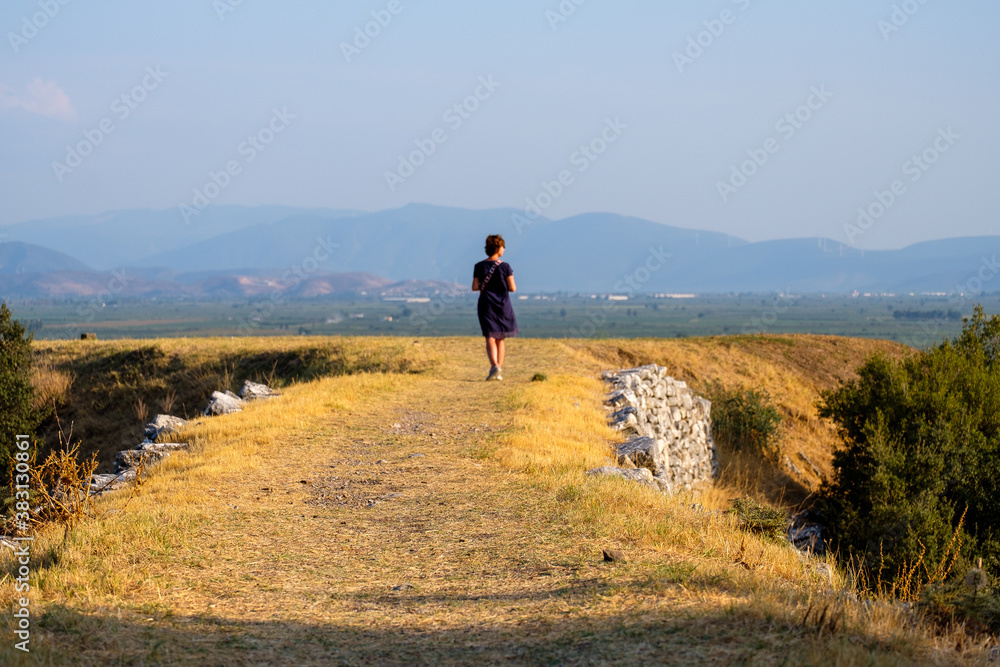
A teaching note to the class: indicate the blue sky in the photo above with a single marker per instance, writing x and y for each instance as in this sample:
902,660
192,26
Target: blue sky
223,69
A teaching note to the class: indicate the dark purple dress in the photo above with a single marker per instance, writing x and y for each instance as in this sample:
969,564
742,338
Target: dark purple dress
496,314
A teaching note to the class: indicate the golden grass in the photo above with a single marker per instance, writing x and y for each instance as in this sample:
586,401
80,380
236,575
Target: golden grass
51,385
792,368
443,520
556,427
107,390
559,433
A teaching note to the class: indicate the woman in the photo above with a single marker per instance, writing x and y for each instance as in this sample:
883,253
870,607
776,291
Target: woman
494,280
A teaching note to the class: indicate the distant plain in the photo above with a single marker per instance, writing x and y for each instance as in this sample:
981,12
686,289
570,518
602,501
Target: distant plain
917,321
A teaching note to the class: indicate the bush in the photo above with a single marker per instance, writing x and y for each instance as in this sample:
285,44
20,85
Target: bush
760,519
921,448
968,600
745,419
16,393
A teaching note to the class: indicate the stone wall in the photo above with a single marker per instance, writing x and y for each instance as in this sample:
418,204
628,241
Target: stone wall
669,427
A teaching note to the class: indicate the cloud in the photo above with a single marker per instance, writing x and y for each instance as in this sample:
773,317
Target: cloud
41,97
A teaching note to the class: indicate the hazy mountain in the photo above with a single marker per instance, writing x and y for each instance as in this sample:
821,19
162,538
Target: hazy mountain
583,253
603,252
823,265
20,258
424,242
242,249
82,285
122,238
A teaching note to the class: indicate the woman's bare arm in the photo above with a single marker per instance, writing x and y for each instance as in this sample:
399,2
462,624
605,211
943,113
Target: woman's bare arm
510,284
475,284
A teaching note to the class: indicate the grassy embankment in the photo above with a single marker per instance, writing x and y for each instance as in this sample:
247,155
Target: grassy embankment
415,514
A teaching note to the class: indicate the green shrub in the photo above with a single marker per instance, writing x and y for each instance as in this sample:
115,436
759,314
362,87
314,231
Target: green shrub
759,519
745,419
16,392
921,446
539,377
948,604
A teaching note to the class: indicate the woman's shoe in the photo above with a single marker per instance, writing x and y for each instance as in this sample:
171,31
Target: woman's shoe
494,373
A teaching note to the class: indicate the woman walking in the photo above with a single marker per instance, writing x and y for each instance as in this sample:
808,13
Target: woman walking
494,280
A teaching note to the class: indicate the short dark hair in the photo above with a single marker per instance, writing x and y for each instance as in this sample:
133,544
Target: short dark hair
493,244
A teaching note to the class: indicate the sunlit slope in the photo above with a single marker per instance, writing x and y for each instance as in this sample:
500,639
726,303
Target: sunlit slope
417,515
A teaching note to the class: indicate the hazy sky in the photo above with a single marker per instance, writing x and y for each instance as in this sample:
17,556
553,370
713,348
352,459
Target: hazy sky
668,96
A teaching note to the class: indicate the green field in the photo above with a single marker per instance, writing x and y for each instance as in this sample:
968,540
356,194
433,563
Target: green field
915,320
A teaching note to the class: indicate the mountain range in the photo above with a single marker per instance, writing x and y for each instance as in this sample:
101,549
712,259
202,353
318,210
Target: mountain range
239,251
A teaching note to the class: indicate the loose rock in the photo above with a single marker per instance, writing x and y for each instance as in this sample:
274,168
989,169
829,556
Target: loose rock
793,468
162,426
150,452
104,483
643,452
808,461
806,536
252,391
613,556
640,475
224,403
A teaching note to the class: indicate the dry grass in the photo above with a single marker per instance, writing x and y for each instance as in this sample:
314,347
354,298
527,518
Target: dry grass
61,486
557,438
793,369
107,389
558,427
51,385
441,520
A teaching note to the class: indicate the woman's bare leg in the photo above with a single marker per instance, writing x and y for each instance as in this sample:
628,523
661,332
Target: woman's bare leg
501,350
491,350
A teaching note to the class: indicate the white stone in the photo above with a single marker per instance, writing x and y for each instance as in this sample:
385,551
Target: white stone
163,425
253,391
677,422
224,403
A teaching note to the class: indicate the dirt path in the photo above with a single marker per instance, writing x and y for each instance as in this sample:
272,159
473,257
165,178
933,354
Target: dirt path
385,534
423,551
